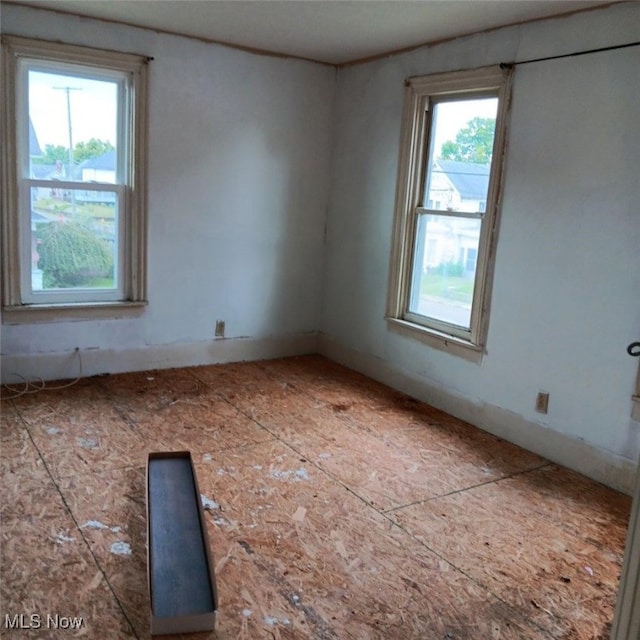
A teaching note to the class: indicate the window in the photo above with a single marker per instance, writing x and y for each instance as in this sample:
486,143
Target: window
73,209
447,207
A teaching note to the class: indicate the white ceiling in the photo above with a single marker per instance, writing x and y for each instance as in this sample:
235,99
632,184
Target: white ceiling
332,31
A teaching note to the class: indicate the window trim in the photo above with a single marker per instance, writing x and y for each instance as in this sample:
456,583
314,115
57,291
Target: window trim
15,309
411,167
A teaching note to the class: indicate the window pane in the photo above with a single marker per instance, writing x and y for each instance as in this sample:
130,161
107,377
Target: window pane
74,239
444,268
72,112
457,177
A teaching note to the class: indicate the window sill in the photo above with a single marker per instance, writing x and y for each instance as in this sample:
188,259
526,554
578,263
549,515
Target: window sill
32,313
437,340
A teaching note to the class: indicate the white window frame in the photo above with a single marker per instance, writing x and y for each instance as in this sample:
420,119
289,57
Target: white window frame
18,300
420,92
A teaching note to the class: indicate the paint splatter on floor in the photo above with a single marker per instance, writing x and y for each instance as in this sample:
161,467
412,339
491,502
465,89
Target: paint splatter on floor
121,548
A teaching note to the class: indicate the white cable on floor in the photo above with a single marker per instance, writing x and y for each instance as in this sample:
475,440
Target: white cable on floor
38,384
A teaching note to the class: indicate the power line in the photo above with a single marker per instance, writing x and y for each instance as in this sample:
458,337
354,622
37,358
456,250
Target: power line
509,65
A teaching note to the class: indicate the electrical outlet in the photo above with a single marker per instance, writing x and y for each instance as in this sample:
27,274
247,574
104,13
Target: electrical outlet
219,328
542,402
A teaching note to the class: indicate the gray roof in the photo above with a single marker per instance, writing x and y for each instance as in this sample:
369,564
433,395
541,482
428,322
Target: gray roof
34,145
38,217
470,179
106,161
42,171
51,171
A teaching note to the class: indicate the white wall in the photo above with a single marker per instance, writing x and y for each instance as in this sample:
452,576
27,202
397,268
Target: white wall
566,295
238,183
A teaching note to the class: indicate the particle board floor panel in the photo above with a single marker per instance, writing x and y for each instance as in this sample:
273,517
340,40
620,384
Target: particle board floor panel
336,508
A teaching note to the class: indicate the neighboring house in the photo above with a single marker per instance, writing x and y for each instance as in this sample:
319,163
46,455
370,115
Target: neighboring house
56,171
52,172
458,186
100,169
455,186
451,241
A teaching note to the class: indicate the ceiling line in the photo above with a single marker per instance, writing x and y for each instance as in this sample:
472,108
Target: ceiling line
433,43
338,65
231,45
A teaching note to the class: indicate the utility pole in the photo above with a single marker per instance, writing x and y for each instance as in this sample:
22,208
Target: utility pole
68,91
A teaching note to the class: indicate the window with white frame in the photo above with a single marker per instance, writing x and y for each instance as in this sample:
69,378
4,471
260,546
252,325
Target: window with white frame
445,227
73,211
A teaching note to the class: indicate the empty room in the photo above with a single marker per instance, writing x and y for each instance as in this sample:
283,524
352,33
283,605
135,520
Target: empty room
320,319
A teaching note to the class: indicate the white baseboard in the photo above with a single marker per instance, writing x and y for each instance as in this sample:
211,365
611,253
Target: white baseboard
603,466
63,365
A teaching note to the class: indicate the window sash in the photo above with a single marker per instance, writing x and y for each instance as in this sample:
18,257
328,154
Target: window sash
453,214
96,71
430,321
73,184
80,294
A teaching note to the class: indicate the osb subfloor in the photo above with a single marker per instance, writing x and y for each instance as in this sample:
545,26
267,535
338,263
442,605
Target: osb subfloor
336,509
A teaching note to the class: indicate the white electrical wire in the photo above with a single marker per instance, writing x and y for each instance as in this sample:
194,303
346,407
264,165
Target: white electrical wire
38,384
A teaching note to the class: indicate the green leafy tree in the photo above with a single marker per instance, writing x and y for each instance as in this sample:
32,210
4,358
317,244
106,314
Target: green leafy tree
473,143
93,148
70,255
52,154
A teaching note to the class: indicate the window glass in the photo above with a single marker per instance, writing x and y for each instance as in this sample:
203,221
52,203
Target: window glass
74,239
73,127
444,268
460,152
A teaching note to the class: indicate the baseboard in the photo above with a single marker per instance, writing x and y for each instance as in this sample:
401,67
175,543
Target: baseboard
63,365
600,465
603,466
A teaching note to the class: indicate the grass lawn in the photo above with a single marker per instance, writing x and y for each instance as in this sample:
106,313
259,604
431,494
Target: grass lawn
449,287
52,205
100,283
